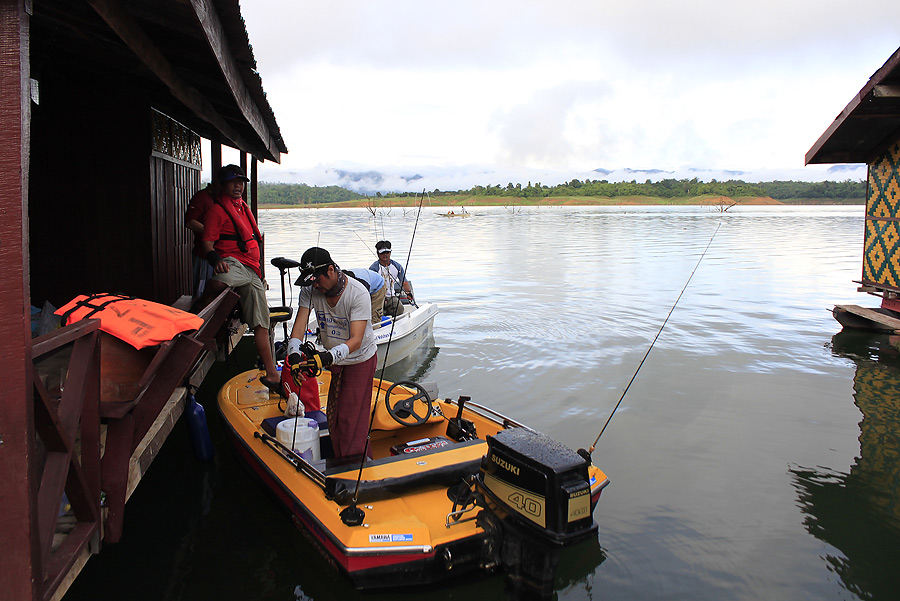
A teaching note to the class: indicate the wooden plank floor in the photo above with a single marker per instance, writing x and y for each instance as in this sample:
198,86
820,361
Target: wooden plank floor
878,319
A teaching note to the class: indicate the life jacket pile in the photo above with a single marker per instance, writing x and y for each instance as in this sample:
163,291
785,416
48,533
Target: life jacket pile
140,323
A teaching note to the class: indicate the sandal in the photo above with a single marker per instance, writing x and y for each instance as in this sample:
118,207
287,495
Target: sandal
272,386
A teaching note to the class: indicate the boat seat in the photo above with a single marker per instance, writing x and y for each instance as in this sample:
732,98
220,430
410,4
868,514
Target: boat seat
411,474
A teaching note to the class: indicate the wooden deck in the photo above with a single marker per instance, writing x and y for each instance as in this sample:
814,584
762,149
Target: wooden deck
877,320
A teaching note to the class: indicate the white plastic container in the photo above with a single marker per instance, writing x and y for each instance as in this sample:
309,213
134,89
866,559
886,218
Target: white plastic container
301,434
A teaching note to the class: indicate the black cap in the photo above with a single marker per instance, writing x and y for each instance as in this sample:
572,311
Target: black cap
314,261
383,246
230,172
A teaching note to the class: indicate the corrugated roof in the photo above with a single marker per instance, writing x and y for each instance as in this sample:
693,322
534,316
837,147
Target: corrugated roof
868,125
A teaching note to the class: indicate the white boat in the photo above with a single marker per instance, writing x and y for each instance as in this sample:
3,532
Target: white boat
397,337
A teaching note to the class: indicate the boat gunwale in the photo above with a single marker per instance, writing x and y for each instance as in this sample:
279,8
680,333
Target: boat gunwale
489,414
318,530
295,459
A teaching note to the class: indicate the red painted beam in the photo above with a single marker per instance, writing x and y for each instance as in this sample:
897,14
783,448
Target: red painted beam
20,573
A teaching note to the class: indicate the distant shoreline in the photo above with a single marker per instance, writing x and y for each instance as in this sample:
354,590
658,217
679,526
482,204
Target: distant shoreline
469,201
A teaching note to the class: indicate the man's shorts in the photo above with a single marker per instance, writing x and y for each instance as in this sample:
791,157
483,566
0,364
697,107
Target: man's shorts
378,305
244,281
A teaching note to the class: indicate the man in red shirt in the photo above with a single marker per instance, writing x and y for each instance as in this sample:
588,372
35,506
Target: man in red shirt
230,243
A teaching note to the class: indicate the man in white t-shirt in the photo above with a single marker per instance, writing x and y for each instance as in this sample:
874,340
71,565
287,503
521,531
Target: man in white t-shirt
344,313
394,278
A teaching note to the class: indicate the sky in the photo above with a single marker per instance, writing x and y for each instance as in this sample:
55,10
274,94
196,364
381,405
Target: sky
416,95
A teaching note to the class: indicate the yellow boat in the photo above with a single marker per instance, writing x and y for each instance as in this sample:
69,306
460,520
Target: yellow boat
452,486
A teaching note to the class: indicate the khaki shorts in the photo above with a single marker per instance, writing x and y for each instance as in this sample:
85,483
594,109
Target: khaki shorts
378,305
244,281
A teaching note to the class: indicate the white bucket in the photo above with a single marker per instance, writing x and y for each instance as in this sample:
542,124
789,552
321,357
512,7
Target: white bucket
301,434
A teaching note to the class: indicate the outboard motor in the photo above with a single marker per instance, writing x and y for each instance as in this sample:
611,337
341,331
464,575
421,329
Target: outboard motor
537,500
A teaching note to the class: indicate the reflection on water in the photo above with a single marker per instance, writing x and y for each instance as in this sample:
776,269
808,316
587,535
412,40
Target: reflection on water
415,366
577,569
859,513
545,314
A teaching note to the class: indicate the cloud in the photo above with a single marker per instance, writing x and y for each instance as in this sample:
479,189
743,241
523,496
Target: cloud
430,178
554,126
477,89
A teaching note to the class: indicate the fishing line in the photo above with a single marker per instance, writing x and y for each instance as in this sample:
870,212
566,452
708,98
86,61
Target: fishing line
387,351
284,365
365,244
703,254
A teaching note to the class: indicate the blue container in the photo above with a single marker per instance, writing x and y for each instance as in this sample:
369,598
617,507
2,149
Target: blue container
199,431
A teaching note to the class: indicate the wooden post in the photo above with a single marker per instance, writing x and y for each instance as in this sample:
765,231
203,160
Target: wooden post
254,188
20,569
243,165
215,149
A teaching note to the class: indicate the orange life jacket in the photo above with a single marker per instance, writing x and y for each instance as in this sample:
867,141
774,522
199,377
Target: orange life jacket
138,322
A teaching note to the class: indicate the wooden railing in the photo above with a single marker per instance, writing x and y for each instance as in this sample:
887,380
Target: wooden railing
64,414
68,411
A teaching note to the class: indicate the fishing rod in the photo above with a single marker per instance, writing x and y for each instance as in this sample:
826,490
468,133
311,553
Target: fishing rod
352,515
650,348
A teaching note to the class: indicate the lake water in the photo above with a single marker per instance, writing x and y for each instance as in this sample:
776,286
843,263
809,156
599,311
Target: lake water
755,455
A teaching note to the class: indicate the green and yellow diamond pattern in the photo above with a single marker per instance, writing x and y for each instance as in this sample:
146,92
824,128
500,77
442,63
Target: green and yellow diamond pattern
881,264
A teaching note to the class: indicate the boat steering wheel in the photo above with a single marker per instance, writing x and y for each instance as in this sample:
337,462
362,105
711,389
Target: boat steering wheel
403,410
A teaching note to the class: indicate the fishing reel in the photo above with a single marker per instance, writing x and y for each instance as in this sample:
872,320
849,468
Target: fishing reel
309,362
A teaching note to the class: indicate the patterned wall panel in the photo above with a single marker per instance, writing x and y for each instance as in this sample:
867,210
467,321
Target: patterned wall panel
174,140
881,262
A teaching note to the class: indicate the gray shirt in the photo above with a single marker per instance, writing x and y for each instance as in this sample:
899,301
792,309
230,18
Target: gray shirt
334,322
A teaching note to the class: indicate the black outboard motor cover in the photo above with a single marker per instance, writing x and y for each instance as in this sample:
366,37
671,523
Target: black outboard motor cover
538,483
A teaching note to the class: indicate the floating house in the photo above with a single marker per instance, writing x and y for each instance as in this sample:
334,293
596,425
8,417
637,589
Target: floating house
868,131
104,104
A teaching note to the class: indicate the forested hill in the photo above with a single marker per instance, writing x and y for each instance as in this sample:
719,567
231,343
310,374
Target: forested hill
301,194
684,188
784,191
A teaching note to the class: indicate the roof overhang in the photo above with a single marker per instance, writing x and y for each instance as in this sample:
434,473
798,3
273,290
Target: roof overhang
193,56
868,125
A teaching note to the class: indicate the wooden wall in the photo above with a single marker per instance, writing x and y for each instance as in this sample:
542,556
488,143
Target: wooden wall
174,178
172,186
106,210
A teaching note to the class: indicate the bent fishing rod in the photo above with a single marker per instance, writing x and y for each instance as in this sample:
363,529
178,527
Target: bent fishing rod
352,515
655,338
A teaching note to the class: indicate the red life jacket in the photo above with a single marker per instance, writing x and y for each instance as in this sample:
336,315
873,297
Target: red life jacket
138,322
248,235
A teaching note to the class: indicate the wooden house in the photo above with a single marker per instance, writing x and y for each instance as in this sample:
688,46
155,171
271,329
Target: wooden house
102,105
868,131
